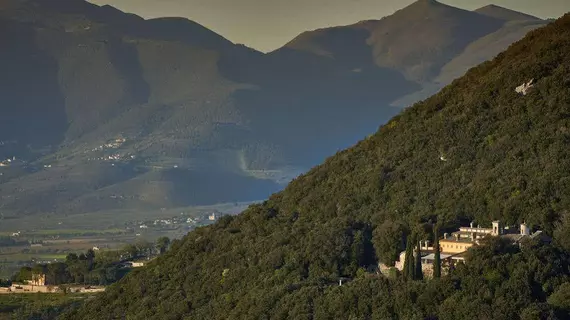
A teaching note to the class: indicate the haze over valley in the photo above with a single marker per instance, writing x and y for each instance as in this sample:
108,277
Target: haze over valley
104,111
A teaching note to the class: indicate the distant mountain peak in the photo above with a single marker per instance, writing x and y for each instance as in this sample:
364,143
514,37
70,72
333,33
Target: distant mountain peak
425,3
436,27
423,7
428,1
502,13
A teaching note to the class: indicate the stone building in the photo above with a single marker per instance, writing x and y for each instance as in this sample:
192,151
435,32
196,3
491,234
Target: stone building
454,247
38,279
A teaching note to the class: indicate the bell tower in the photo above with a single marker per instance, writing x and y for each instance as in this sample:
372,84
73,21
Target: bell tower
525,230
496,228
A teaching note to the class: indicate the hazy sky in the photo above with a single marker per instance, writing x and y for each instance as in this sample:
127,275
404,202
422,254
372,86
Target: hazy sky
268,24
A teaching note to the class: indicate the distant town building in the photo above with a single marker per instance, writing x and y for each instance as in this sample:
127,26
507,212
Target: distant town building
215,216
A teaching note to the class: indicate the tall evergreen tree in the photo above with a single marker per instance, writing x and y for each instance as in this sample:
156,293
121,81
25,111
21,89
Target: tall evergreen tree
409,258
357,252
418,273
437,253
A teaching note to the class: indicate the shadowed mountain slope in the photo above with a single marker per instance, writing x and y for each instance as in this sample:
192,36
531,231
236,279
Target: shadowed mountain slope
478,150
477,52
428,42
91,86
91,89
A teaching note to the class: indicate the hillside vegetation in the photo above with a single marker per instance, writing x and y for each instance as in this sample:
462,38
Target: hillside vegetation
476,151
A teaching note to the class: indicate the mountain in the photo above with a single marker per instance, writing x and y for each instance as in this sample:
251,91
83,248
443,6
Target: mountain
105,110
476,52
439,32
477,151
447,41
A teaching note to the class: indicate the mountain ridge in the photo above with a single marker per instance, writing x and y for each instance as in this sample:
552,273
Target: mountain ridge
384,41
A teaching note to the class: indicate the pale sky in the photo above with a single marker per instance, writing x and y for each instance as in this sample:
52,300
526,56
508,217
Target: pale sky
268,24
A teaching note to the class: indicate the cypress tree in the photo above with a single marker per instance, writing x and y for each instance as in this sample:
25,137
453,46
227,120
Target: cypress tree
357,252
418,273
409,259
437,253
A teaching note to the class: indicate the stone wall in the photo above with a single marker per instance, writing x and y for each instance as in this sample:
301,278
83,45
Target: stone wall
21,288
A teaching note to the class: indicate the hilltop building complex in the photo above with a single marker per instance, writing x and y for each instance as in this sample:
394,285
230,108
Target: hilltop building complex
454,247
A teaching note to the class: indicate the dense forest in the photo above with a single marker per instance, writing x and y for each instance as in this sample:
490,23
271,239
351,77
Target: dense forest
478,151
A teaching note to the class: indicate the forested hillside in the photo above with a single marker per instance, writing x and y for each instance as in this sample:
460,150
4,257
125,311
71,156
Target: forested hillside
476,151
